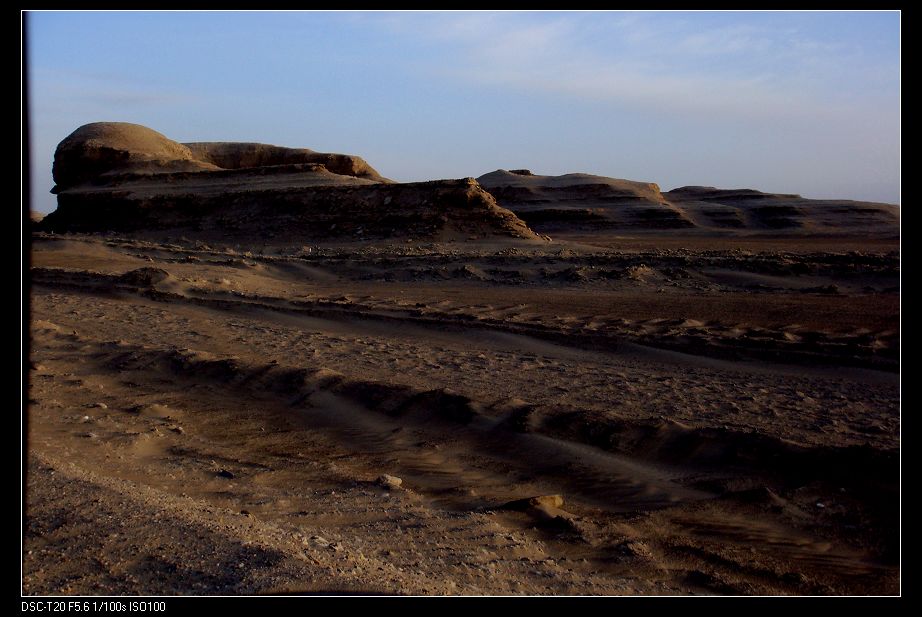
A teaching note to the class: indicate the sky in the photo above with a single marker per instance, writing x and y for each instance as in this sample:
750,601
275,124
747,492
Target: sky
794,102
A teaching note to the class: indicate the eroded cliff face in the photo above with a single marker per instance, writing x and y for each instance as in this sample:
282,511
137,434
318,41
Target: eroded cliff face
748,209
307,211
241,155
120,176
128,178
585,203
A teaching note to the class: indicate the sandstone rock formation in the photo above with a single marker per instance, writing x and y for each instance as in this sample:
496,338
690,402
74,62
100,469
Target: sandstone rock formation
128,178
584,203
239,155
104,149
315,209
778,212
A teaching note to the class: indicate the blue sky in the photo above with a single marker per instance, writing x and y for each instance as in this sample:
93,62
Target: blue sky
805,102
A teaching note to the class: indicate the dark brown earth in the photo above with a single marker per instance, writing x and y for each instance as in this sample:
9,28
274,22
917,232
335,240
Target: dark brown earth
732,429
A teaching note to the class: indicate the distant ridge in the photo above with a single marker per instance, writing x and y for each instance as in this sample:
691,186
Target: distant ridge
585,203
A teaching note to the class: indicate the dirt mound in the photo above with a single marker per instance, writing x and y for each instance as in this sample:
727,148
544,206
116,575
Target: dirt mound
144,277
109,148
240,155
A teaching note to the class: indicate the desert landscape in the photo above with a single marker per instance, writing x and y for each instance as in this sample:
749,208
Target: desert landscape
267,370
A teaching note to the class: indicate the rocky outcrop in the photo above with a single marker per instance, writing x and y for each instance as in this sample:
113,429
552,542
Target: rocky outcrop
287,204
97,151
240,155
583,203
755,211
101,151
128,178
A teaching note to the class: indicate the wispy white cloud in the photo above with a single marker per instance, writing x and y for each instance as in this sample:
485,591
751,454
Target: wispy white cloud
725,40
670,65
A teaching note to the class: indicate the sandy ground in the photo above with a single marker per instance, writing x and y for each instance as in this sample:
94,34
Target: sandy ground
720,417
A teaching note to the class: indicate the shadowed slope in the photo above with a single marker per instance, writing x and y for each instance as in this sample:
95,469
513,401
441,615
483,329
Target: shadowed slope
595,204
755,210
583,201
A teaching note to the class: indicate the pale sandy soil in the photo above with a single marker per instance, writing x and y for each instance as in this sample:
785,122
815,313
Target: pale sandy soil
718,418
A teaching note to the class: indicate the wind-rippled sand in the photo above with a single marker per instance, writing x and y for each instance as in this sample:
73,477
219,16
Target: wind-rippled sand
217,419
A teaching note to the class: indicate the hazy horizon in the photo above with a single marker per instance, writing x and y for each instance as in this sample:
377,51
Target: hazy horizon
805,102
